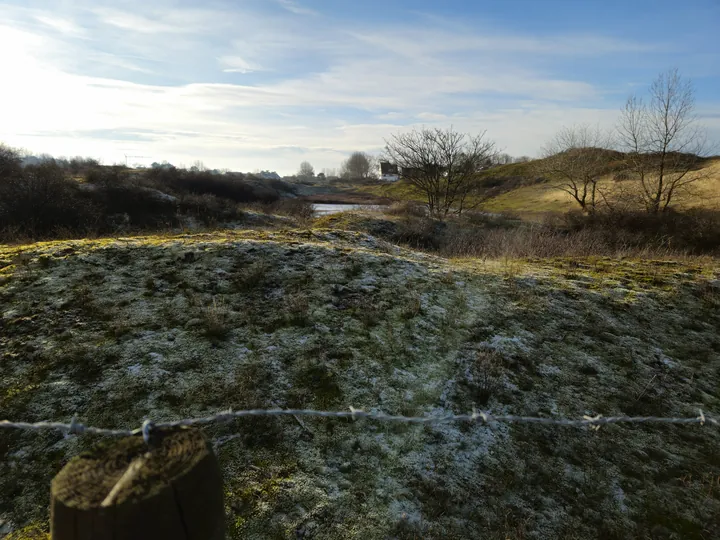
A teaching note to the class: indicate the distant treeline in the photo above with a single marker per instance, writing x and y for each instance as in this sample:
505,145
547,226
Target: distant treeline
79,197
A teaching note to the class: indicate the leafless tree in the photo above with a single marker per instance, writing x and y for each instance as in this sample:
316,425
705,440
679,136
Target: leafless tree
504,159
359,165
306,170
663,141
198,166
442,163
574,160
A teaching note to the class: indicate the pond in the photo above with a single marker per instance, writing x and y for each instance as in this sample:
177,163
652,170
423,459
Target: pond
324,209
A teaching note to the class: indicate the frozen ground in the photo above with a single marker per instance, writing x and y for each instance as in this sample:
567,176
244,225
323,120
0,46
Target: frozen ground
168,327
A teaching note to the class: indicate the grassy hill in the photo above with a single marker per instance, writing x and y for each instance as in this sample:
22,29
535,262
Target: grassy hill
542,198
166,327
521,193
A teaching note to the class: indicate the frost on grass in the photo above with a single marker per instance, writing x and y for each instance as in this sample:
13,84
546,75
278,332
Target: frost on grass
114,331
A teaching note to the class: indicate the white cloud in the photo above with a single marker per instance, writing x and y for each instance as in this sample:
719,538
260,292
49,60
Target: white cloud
236,64
316,91
132,22
294,7
62,25
156,20
417,41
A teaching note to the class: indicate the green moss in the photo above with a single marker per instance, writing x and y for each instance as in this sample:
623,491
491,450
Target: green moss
251,499
36,531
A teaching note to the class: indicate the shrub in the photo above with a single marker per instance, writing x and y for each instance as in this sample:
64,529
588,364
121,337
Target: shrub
296,309
107,176
281,186
40,200
297,208
9,163
693,231
250,277
424,233
143,208
209,209
229,186
485,374
216,320
406,209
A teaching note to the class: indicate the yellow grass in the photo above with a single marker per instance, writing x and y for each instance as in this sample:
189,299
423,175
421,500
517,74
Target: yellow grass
542,198
534,201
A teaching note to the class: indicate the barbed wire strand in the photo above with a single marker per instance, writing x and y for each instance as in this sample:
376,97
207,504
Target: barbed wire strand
76,428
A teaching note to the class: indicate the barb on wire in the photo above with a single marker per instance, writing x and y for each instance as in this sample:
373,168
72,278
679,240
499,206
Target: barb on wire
477,416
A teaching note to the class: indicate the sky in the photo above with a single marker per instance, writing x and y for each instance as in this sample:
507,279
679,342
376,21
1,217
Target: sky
267,84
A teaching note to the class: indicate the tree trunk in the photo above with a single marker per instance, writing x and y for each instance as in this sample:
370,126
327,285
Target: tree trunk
128,490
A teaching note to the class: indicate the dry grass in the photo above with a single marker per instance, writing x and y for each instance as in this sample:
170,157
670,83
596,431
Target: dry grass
216,319
532,201
544,242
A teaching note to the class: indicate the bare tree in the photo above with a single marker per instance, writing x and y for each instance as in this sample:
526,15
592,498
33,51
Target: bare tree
574,160
359,165
662,139
306,170
442,163
504,159
198,166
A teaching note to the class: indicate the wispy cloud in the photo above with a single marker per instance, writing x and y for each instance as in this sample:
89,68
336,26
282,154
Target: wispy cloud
245,86
134,22
236,64
417,41
62,25
294,7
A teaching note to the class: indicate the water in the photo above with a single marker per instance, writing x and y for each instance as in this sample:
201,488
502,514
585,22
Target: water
324,209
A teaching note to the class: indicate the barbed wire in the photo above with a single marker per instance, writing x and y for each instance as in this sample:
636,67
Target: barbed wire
595,422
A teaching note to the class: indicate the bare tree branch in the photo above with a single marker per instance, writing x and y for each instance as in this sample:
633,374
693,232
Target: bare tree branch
574,160
443,164
664,145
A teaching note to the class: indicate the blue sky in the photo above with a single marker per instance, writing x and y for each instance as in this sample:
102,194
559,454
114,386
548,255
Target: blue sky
265,84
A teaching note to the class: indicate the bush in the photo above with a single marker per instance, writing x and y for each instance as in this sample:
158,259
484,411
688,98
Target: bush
39,201
299,209
407,209
107,176
209,209
230,186
144,208
80,164
281,186
693,231
423,233
485,375
9,163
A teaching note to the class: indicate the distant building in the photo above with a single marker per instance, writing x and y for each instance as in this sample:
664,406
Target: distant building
411,172
389,172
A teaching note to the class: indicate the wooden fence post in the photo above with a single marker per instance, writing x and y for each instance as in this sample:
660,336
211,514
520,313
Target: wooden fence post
128,490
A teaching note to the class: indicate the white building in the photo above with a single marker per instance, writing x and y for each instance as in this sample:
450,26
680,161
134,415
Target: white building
389,172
